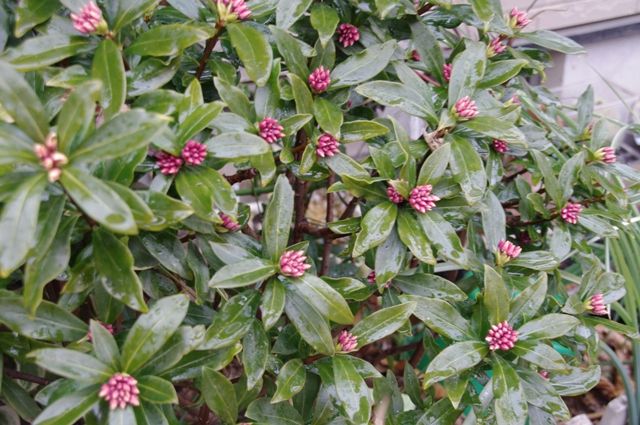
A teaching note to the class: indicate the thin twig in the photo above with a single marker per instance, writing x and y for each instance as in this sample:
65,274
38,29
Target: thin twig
241,175
23,376
208,48
326,249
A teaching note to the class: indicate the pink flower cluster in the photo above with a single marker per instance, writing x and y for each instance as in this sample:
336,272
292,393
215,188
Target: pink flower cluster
293,263
120,391
606,155
507,251
499,146
596,305
348,34
228,222
465,108
571,212
89,20
327,145
193,153
231,10
371,279
447,68
394,196
421,198
50,159
519,18
319,79
271,130
496,47
501,337
347,342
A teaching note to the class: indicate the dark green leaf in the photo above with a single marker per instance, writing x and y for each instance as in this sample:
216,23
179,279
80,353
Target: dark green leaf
108,67
69,408
442,236
168,40
467,71
255,353
468,169
363,65
277,219
323,297
233,321
496,296
72,364
264,412
290,381
351,390
38,52
157,390
254,51
441,317
455,359
243,273
309,322
549,326
510,402
382,323
289,11
324,19
376,226
554,41
219,395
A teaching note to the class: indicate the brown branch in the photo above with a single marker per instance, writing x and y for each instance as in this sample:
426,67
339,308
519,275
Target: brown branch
180,284
241,175
300,189
427,78
326,249
514,175
23,376
348,212
208,48
424,9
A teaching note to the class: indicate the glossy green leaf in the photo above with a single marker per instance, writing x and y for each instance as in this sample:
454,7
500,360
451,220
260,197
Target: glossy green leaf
264,412
441,317
323,297
382,323
497,129
389,93
290,381
430,286
169,251
454,359
233,320
527,303
301,95
277,219
468,169
38,52
104,344
108,67
237,146
272,303
577,381
289,11
414,237
243,273
72,364
150,414
550,326
255,353
363,65
254,51
389,259
166,210
157,390
30,13
77,115
219,395
428,48
328,116
500,72
510,402
69,408
127,11
351,390
197,121
435,165
168,40
550,180
540,354
554,41
151,74
309,322
536,260
355,131
442,236
496,296
324,19
468,69
375,227
204,189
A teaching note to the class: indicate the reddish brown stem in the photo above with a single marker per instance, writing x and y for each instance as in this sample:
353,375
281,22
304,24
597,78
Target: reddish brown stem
23,376
241,175
326,249
208,48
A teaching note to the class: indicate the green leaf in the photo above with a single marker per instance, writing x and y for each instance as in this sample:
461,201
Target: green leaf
467,71
435,165
496,129
69,408
500,72
413,236
291,52
442,236
540,355
290,381
376,226
255,353
19,400
204,189
262,411
22,104
166,210
536,260
626,330
50,323
157,390
468,169
72,364
122,416
253,50
169,251
510,401
237,145
351,390
430,286
151,74
363,65
540,394
527,303
328,116
219,395
389,93
549,326
15,148
197,121
18,223
484,9
289,11
125,133
243,273
30,13
454,359
108,67
389,259
382,323
554,41
233,321
127,11
77,115
428,48
309,322
301,95
272,303
150,414
149,333
496,296
324,19
323,297
277,219
168,40
493,220
114,266
355,131
577,381
38,52
104,344
550,181
441,317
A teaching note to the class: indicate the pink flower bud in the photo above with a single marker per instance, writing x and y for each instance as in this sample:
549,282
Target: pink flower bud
496,47
571,212
327,145
596,305
319,79
228,222
120,391
606,155
507,251
371,279
89,20
421,199
499,146
292,263
447,68
271,130
501,337
348,35
347,342
50,159
54,174
194,152
415,56
519,18
394,196
232,10
168,164
465,108
544,374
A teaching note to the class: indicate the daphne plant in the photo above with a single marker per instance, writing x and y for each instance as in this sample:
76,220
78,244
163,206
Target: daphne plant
210,213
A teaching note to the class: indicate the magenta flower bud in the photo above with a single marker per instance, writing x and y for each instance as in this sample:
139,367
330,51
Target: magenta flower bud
415,56
107,326
348,34
271,130
327,145
499,146
292,263
228,222
421,199
518,18
232,10
507,251
194,152
168,164
89,20
319,79
447,68
347,342
371,279
596,305
394,196
501,337
571,212
465,108
50,159
606,155
496,47
120,391
544,374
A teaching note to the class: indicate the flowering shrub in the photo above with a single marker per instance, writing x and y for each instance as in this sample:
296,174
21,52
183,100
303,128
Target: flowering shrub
163,259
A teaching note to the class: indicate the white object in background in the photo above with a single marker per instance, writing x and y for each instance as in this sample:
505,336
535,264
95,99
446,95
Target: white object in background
615,412
580,420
